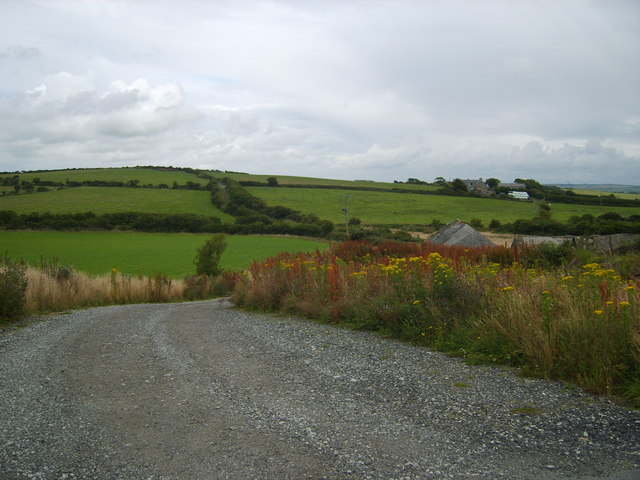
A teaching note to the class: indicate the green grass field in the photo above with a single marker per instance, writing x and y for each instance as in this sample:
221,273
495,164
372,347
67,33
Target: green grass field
394,208
372,207
145,175
289,180
114,199
142,253
626,196
563,211
156,177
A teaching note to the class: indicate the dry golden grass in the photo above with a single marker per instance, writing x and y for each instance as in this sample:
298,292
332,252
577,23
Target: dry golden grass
48,293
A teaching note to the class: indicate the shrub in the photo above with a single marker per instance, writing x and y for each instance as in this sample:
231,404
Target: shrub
548,255
13,288
476,223
494,224
208,258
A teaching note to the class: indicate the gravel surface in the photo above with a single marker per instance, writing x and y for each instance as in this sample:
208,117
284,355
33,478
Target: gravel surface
202,391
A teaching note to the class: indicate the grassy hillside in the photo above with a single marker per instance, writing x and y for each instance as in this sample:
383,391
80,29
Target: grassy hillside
142,253
628,196
154,176
114,199
605,188
290,180
563,211
372,207
393,208
145,175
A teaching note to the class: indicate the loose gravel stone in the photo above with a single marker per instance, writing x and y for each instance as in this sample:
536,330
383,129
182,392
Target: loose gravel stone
202,391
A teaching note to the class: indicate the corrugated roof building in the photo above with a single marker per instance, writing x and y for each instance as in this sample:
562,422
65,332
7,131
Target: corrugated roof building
461,234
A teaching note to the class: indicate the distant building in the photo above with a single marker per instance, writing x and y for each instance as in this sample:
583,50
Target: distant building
519,195
461,234
476,186
512,186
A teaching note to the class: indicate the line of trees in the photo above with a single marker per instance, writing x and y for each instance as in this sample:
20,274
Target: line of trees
606,224
150,222
248,210
45,185
146,222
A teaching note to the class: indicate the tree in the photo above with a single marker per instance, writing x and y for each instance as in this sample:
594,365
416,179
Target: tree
544,211
439,181
272,181
28,186
476,223
492,183
458,185
208,257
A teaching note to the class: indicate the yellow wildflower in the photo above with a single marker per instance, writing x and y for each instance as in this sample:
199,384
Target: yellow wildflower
624,304
598,312
506,289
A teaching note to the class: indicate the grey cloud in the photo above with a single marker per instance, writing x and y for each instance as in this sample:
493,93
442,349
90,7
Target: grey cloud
378,157
385,88
66,114
67,108
20,52
591,162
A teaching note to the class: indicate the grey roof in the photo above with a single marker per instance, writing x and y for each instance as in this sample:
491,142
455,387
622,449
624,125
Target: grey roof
459,233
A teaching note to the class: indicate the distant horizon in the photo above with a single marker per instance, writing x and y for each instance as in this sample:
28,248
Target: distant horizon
448,178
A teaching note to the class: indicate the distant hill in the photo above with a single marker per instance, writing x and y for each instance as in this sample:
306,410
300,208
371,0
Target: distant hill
182,199
606,187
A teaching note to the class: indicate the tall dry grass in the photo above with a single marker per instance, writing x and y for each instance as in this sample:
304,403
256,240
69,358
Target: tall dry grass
49,293
57,289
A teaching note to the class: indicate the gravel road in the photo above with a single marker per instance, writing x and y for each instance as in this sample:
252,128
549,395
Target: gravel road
202,391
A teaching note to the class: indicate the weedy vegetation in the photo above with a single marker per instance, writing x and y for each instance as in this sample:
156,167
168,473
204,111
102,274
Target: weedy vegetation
13,289
578,322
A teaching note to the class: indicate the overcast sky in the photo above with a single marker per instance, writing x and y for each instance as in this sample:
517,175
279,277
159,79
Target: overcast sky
352,89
